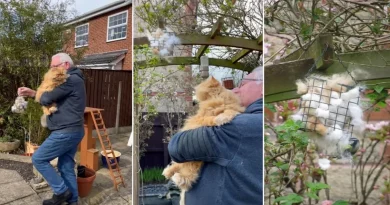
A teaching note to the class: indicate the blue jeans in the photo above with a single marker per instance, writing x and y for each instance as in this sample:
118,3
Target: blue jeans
63,146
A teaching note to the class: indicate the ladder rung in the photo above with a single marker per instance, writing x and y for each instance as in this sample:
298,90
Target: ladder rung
114,164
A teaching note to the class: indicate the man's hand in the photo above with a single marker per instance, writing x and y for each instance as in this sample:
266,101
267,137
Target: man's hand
26,92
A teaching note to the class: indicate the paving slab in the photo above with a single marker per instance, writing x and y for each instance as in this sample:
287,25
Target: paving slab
30,200
8,176
14,191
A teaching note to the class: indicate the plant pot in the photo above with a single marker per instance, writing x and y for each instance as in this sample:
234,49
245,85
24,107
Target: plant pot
30,148
111,159
228,84
9,146
85,181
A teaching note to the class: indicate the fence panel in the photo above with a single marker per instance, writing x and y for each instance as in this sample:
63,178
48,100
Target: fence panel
102,88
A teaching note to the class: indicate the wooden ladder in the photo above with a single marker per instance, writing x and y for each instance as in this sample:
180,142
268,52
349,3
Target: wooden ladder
107,148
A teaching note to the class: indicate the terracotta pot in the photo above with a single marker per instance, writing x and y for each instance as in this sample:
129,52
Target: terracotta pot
9,146
228,84
84,183
30,148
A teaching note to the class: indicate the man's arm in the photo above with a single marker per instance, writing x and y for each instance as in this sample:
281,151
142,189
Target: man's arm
208,144
57,94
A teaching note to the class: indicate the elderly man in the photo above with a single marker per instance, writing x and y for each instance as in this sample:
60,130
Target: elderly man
233,153
67,131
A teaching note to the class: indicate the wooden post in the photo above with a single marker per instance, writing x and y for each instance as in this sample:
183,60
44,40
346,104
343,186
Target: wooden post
135,167
315,51
118,108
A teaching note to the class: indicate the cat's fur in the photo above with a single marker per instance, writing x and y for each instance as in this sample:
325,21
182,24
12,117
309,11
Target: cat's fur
329,84
53,78
217,106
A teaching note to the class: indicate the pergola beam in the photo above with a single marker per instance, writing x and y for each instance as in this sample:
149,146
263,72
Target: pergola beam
240,55
195,61
245,52
201,51
197,39
315,51
216,28
370,75
214,32
280,83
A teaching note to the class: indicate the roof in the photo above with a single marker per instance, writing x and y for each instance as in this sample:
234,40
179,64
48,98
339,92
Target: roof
102,58
100,11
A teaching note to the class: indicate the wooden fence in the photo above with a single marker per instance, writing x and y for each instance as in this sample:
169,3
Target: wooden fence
156,154
102,92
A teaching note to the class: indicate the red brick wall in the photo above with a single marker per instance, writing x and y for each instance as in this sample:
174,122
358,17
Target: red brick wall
97,38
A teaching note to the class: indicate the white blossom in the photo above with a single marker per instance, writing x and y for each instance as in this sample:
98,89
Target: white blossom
324,163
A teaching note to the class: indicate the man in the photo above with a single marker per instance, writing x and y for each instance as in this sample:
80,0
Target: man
67,131
232,173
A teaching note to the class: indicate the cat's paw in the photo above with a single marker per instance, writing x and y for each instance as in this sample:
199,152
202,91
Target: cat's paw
181,182
44,121
53,109
167,172
222,119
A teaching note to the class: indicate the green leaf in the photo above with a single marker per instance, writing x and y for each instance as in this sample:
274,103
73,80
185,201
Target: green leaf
284,167
376,28
340,202
318,13
378,88
382,104
312,195
306,30
270,107
289,199
317,186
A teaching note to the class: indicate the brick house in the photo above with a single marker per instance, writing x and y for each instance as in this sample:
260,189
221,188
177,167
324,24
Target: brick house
104,35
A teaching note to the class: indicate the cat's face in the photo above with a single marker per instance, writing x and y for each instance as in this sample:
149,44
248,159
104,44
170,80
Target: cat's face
56,74
208,89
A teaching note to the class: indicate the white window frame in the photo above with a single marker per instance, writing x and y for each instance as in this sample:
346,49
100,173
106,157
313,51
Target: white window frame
75,35
127,23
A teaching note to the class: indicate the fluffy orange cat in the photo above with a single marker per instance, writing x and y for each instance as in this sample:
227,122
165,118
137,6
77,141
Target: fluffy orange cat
52,79
217,106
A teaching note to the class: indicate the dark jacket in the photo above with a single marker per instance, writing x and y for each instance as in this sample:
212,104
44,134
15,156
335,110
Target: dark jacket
70,98
233,154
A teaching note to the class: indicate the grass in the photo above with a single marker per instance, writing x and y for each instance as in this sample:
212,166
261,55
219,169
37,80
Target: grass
153,175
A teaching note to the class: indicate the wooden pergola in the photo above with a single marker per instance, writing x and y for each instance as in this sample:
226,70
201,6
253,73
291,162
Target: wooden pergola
205,41
281,76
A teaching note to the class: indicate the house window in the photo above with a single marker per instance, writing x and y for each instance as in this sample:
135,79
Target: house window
117,26
82,35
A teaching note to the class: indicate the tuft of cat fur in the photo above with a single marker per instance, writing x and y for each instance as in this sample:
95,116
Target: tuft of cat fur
217,106
53,78
314,98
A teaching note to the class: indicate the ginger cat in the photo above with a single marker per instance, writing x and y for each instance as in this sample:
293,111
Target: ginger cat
52,79
217,106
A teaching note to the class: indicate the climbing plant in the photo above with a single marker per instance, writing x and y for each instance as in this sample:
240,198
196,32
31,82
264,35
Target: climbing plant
354,25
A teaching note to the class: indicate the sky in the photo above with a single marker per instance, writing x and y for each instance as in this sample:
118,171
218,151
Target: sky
83,6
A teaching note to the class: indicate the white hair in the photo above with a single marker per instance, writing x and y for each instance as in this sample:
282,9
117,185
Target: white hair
64,58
